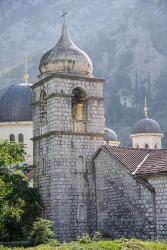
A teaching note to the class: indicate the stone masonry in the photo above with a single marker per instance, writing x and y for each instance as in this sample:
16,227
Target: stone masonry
129,204
159,182
85,186
124,205
63,157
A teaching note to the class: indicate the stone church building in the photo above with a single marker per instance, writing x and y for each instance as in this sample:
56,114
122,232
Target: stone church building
87,182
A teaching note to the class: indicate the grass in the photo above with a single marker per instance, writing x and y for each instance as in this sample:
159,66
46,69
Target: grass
122,244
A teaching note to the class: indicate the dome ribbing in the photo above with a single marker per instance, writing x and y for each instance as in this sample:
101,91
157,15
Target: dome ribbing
16,103
66,58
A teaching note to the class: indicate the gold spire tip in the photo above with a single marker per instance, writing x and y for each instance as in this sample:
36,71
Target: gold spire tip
145,107
26,77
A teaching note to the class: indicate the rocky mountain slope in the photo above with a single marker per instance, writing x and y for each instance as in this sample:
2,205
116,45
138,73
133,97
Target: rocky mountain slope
125,39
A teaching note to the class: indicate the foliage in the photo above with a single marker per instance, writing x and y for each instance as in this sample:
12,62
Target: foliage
97,236
19,204
84,238
121,244
42,231
11,154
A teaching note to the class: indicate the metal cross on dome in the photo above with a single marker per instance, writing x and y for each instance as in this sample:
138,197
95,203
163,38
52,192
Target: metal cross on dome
64,15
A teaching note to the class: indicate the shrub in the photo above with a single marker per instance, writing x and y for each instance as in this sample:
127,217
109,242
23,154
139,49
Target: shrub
97,236
84,238
42,231
53,243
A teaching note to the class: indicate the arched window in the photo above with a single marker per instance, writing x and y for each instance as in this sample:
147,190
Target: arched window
21,138
146,145
136,145
156,146
12,138
43,106
81,213
80,164
79,110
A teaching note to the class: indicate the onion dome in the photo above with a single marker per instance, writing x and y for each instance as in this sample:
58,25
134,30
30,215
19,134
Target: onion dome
66,58
146,125
109,135
15,103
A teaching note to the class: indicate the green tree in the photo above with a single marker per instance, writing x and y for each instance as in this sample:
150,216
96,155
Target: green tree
19,203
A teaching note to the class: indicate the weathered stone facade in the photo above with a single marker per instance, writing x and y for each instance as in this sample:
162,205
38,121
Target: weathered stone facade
129,206
63,156
86,187
159,182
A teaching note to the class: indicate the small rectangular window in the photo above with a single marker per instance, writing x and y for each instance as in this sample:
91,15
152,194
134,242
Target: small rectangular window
43,166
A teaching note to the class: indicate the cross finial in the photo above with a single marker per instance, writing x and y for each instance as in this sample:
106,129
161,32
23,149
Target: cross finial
145,107
64,15
26,75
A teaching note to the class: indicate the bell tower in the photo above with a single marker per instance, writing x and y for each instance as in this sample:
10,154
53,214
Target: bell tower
68,119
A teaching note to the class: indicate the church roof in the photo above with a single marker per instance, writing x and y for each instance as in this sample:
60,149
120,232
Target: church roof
140,161
65,57
15,103
146,125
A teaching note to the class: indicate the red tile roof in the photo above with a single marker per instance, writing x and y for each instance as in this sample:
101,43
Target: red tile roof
140,161
30,174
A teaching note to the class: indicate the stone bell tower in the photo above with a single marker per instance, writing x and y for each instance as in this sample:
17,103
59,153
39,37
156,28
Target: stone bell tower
68,119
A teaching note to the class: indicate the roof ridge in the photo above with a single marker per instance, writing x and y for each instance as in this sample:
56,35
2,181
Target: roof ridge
122,147
134,172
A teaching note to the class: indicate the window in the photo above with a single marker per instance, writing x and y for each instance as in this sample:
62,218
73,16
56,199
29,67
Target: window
21,138
136,146
80,164
43,106
146,146
81,213
156,146
12,138
43,166
79,110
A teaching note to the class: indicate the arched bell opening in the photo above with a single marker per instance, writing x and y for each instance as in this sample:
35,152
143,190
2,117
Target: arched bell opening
79,110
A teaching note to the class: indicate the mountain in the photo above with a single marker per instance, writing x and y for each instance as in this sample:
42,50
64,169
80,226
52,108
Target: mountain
125,39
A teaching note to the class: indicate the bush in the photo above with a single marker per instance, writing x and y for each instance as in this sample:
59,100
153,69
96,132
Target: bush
97,236
42,231
84,238
53,243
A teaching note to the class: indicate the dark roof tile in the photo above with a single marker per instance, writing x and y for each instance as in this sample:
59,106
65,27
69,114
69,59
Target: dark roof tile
140,161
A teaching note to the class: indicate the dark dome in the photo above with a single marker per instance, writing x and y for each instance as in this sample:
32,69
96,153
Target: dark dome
146,125
15,103
109,135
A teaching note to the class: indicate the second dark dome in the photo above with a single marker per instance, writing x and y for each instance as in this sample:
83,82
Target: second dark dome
146,125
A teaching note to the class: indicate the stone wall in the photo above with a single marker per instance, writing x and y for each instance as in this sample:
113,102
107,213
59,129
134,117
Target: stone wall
125,206
63,157
160,185
59,92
